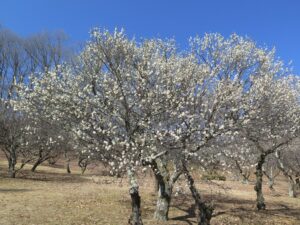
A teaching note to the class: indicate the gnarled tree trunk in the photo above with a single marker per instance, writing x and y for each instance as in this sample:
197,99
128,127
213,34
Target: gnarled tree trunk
135,217
164,190
260,201
203,211
165,184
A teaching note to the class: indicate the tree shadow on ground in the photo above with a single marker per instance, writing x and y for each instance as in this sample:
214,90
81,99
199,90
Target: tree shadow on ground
242,209
46,176
190,216
52,177
14,190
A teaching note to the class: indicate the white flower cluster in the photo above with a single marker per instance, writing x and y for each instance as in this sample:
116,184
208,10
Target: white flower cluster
127,100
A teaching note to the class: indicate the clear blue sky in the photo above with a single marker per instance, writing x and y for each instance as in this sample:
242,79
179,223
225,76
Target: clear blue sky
269,22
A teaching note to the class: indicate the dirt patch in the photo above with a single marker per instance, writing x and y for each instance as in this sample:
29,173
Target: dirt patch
51,196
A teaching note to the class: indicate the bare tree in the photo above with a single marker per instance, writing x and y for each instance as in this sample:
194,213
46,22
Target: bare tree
46,50
273,121
19,59
147,104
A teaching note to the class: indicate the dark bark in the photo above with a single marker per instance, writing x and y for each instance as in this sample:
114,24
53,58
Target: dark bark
260,201
135,217
83,163
83,169
68,167
297,180
245,175
35,165
12,169
12,161
204,211
42,157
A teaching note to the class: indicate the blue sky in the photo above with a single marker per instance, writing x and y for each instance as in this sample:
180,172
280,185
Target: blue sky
271,23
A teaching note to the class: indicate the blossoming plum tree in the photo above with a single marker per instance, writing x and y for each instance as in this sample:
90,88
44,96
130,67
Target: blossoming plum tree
272,112
133,104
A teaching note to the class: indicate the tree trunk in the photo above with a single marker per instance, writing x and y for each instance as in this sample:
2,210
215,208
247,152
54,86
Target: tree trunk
83,169
260,201
297,180
292,188
162,178
271,183
245,175
245,180
156,187
163,201
67,162
12,166
82,163
135,218
165,184
68,167
12,171
203,211
52,161
292,183
271,178
35,165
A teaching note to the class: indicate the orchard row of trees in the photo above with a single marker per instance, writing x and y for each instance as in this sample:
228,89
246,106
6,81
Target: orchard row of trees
130,104
21,58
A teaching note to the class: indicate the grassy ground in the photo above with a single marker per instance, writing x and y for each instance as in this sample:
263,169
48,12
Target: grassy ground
50,196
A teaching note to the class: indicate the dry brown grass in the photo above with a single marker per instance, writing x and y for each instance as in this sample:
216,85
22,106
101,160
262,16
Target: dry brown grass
50,196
